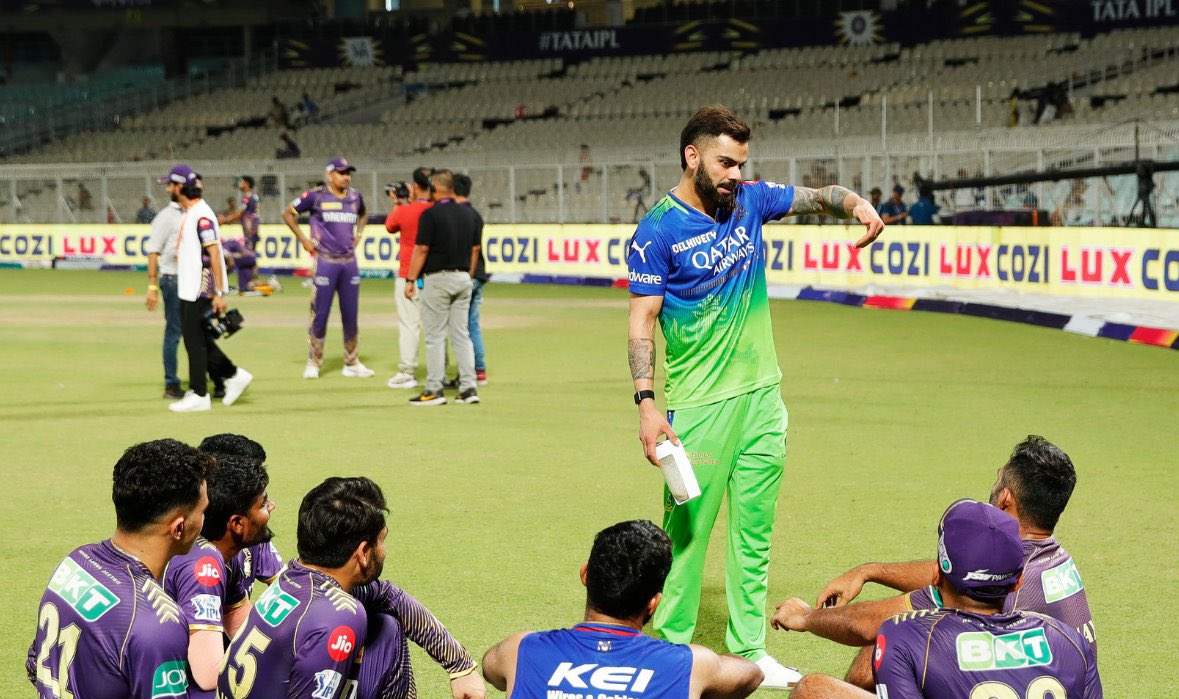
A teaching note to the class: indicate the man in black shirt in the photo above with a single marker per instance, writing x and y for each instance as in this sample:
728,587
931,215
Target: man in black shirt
444,259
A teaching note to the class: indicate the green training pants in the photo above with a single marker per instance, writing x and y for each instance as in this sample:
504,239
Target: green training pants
738,447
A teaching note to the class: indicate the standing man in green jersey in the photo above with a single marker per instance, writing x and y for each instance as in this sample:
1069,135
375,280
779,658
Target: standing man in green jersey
696,265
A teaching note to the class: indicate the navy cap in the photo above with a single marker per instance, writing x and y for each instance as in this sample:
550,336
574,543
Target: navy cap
179,174
979,549
339,165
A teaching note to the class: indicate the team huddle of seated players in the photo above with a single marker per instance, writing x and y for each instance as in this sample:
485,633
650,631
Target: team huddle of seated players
162,608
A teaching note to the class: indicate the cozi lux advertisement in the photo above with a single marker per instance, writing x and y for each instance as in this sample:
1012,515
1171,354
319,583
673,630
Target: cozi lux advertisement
1109,262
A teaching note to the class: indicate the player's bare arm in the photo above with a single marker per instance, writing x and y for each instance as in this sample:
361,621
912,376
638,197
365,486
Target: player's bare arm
231,218
153,281
205,649
216,266
291,218
468,685
235,617
499,663
851,625
903,577
722,676
361,220
644,311
474,260
840,202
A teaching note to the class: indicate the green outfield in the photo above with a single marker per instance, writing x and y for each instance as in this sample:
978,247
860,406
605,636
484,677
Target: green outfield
892,416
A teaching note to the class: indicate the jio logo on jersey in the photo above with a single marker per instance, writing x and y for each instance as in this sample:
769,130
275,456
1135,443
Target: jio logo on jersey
340,643
207,571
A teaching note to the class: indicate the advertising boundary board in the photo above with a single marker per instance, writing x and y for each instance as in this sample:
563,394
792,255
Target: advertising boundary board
1109,263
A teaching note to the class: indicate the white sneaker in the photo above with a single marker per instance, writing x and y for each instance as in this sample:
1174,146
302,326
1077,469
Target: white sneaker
236,385
191,403
310,371
777,675
403,380
357,371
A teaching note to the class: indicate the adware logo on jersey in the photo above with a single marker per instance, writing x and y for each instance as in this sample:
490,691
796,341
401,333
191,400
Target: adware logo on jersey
606,678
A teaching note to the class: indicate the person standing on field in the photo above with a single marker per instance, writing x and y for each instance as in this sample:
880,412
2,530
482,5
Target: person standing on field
696,265
337,218
161,282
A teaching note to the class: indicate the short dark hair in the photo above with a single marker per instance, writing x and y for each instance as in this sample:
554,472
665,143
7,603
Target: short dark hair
154,478
421,176
1041,477
249,180
229,444
240,480
462,184
443,179
336,516
711,122
627,567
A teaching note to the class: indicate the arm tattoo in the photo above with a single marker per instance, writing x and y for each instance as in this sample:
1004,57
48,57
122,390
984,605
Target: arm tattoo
828,200
641,353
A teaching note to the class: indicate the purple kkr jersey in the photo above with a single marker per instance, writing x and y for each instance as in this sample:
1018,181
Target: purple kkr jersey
250,218
196,581
1050,586
951,654
333,221
299,642
107,630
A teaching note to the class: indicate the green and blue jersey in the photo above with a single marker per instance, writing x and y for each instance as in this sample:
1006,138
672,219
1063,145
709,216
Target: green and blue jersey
711,275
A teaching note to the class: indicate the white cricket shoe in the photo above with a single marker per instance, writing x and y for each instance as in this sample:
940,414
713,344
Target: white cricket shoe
191,403
403,380
357,371
310,371
236,385
777,675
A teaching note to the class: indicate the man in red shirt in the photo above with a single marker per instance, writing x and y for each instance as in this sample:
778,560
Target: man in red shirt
404,219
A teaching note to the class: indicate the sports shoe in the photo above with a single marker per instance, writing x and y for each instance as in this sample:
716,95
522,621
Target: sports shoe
451,384
310,371
428,398
192,403
173,392
236,385
481,377
468,396
275,286
357,371
777,675
403,380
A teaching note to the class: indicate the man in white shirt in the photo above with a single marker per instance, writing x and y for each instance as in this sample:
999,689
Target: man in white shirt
201,290
161,282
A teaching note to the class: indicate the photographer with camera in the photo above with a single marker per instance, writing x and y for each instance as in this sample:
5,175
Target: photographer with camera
404,219
202,297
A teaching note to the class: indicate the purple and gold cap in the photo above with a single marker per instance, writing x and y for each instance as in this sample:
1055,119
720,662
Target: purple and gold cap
979,549
339,165
179,174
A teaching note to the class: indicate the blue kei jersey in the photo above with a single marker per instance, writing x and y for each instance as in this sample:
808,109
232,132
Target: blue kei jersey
711,275
593,659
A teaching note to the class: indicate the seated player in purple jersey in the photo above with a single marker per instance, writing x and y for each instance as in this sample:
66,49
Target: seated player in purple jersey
240,256
261,562
304,634
208,583
970,647
1033,487
105,627
336,215
608,655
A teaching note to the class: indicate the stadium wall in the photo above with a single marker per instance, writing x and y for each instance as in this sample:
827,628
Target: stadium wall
1117,263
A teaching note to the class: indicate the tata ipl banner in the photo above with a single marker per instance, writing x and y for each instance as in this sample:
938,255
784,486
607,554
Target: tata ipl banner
1107,262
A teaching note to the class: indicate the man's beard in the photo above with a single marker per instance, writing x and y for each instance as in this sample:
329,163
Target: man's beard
710,193
263,536
175,197
373,570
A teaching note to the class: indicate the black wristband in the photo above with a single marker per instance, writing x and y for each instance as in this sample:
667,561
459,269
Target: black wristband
641,395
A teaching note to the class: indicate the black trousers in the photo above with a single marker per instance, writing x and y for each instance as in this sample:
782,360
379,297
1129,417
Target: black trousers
204,356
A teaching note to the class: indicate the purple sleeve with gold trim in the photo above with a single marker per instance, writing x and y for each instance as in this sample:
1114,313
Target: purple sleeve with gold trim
196,581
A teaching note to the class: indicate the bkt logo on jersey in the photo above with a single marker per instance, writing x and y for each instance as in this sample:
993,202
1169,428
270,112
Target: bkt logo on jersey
611,679
207,571
340,643
979,651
